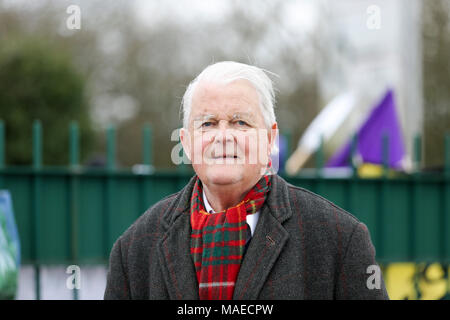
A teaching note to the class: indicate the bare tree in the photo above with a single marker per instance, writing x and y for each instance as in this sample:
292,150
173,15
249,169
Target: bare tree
436,40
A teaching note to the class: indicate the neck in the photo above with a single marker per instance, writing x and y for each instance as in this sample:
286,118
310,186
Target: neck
222,197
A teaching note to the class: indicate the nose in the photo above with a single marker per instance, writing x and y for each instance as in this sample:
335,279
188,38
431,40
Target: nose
224,134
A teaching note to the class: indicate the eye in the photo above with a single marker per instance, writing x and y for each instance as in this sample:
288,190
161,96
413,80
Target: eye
242,123
206,124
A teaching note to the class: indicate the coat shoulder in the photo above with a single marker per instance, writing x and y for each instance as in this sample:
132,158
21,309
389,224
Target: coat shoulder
149,224
133,256
336,243
316,209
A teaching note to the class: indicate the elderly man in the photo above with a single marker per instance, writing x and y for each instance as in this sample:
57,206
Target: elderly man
237,230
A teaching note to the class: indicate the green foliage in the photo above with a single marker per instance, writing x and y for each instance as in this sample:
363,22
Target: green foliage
38,81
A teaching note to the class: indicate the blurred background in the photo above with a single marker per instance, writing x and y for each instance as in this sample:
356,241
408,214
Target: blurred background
90,98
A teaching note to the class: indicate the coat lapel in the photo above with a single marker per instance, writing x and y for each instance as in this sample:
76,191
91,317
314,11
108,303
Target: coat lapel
267,243
176,261
174,249
265,247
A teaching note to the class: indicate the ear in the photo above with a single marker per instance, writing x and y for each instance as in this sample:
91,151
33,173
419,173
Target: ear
185,138
272,137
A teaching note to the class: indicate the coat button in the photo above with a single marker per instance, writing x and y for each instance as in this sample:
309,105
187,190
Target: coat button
272,242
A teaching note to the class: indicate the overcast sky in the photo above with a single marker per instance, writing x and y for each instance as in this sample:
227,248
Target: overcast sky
300,14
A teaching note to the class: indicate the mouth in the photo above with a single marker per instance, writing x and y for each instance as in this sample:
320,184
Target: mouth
225,157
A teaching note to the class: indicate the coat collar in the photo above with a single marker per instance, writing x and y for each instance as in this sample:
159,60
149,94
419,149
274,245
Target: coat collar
277,200
266,245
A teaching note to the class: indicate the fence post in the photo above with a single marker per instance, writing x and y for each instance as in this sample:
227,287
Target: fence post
319,156
147,160
147,147
385,154
111,148
36,203
353,180
73,195
417,153
353,153
109,192
415,194
383,194
446,209
2,151
74,145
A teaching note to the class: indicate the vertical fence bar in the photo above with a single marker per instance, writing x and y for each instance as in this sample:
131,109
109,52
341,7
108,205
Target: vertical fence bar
383,194
74,145
353,180
37,144
36,204
447,154
385,154
417,143
147,147
319,156
417,153
353,153
109,192
147,155
2,151
111,148
73,195
446,205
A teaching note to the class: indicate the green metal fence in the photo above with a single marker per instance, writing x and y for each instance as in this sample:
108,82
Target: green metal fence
73,215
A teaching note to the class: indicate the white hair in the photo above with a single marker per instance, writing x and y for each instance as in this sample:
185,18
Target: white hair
228,71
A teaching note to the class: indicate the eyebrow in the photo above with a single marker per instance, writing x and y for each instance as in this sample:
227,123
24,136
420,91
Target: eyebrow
204,117
243,115
236,115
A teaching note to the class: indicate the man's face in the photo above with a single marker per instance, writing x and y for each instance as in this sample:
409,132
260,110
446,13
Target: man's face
227,140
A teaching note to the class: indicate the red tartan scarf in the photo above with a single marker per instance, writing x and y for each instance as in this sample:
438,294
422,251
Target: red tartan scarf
218,240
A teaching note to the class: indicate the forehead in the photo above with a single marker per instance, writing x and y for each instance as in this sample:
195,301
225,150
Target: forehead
238,98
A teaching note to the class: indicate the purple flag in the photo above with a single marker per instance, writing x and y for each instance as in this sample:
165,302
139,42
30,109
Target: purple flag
382,120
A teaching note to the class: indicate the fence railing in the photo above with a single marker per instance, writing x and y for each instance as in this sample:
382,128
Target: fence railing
73,215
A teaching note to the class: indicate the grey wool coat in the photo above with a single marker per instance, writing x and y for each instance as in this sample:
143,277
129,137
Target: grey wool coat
303,247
